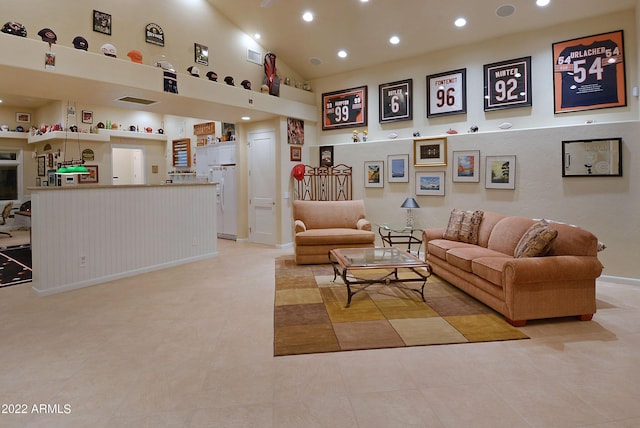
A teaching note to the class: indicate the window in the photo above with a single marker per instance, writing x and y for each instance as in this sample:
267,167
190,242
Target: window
10,175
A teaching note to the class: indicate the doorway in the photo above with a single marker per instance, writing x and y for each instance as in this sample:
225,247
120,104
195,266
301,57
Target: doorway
262,187
127,165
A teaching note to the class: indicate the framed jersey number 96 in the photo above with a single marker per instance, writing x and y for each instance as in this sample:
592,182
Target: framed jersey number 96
447,93
345,108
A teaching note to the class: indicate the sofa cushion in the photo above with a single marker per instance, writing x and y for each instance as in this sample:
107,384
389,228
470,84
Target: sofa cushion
506,234
463,257
536,241
337,236
439,247
490,268
463,226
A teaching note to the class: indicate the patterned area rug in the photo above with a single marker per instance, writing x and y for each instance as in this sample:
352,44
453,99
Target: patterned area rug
15,266
310,314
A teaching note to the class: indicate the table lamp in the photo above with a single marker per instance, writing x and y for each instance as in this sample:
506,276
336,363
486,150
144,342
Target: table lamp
409,203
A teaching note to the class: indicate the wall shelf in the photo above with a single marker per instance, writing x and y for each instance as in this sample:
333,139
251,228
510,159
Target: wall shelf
131,134
14,134
103,135
69,136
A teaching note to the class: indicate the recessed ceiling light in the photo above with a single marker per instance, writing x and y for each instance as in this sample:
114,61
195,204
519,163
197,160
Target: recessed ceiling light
307,16
245,118
342,54
257,36
364,1
542,3
394,40
460,22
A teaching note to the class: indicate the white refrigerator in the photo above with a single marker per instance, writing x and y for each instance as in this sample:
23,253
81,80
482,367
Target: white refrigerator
226,207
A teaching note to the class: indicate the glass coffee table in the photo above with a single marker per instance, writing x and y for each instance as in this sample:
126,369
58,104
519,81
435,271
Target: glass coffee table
381,266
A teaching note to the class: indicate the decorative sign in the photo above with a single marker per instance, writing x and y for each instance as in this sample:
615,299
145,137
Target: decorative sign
396,101
447,93
346,108
507,84
154,34
588,73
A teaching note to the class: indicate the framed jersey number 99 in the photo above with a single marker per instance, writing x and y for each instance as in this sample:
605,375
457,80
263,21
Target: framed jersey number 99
345,108
447,93
588,73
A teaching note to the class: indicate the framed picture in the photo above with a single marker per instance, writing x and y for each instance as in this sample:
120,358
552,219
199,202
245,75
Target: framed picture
326,155
154,34
588,73
201,54
396,101
228,131
430,183
430,151
23,117
101,22
447,93
92,177
398,166
345,108
507,84
466,166
500,172
592,158
87,116
295,153
374,174
42,165
295,131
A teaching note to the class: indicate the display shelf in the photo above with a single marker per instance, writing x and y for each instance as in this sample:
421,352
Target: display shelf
14,134
69,136
131,134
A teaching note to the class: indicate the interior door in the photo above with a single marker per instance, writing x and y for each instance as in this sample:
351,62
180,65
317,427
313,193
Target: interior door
262,187
127,165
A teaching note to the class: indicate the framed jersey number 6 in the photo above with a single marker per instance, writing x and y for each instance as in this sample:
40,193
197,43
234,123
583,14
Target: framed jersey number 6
447,93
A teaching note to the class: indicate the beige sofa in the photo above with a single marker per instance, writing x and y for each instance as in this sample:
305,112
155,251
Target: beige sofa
320,226
558,284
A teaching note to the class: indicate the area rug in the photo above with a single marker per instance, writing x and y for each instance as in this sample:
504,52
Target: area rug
15,266
310,314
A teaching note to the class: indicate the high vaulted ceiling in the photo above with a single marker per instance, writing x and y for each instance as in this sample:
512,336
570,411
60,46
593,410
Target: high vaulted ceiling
363,29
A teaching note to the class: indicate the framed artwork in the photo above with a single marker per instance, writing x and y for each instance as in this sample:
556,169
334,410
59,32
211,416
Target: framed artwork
295,153
23,117
447,93
326,155
201,54
345,108
430,151
430,183
374,174
396,101
295,131
398,166
507,84
228,131
466,166
87,116
592,158
42,161
92,177
588,73
101,22
500,172
154,34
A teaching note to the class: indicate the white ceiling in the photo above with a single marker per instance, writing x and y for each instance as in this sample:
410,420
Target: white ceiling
363,29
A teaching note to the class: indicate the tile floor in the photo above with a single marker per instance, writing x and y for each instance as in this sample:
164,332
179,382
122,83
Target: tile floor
192,346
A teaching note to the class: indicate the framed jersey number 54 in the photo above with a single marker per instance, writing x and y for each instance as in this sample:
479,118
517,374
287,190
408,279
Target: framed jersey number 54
447,93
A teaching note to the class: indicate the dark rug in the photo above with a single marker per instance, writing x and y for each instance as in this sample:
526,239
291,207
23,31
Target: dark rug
310,314
15,266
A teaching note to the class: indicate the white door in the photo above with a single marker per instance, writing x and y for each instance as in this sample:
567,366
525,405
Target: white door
262,187
127,165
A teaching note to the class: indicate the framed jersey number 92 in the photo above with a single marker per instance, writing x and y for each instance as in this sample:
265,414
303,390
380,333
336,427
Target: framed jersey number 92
447,93
507,84
345,108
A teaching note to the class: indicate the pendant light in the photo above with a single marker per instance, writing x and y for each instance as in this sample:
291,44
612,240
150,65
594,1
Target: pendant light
71,167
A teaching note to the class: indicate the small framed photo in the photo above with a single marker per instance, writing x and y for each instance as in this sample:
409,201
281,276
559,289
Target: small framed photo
295,131
326,155
295,153
430,183
430,151
92,177
87,116
101,22
398,167
500,172
23,117
396,101
201,54
466,166
42,161
447,93
374,174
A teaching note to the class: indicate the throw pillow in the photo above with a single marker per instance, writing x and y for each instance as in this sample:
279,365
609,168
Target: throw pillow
536,241
463,226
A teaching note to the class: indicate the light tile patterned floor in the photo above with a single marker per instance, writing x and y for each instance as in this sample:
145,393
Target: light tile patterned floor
192,346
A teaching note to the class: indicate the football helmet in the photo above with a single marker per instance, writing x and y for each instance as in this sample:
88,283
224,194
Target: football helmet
14,28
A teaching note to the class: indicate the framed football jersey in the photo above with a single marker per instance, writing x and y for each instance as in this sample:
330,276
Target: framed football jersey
447,93
507,84
396,101
345,108
588,73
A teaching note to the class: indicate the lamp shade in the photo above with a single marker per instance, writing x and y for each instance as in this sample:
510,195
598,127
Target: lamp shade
409,203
